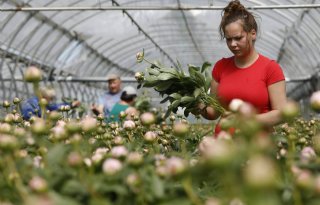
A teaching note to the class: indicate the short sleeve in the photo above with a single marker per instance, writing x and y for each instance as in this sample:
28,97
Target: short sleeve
216,71
274,73
101,100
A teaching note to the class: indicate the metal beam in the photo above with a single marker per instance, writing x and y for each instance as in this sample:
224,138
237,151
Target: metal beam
114,2
178,8
79,79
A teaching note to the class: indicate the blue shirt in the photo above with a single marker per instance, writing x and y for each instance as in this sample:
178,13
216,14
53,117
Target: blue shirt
31,107
108,100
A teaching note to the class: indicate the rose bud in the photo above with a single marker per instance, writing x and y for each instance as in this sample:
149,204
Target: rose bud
100,117
92,140
283,152
193,162
38,162
224,135
67,108
218,152
17,118
261,172
236,201
8,142
160,159
246,110
129,125
307,155
135,159
9,118
226,123
154,110
43,102
315,101
114,126
43,150
6,104
290,111
180,129
122,115
5,128
119,151
54,116
87,162
74,159
73,126
33,74
235,105
89,124
58,133
175,166
97,157
150,136
213,201
140,56
172,118
162,171
147,118
19,132
101,150
111,166
39,126
133,180
139,76
38,184
16,100
118,140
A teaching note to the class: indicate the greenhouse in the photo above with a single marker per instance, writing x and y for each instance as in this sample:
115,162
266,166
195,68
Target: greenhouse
189,127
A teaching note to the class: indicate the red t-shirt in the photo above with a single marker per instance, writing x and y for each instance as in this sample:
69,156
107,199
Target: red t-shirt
248,84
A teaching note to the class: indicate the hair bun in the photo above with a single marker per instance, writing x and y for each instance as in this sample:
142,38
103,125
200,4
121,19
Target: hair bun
234,6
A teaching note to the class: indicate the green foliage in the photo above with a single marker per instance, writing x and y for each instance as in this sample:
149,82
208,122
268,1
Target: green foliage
185,90
251,166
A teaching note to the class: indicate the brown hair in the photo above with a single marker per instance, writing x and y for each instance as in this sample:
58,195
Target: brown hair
236,11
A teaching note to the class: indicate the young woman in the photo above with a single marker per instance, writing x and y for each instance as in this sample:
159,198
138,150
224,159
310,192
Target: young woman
247,75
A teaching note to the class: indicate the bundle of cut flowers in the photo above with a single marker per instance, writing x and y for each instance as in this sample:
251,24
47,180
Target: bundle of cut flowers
181,89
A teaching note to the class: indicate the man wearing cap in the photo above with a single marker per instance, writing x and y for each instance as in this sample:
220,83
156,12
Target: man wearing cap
125,104
110,98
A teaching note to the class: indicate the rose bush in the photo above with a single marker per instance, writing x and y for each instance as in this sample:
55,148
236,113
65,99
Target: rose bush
60,160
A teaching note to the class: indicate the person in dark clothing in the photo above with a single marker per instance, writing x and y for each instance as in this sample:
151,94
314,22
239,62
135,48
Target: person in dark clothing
31,106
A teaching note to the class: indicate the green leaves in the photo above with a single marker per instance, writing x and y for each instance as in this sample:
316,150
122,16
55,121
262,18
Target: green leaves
185,90
165,76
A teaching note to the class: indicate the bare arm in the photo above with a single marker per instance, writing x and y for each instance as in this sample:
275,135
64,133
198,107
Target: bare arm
97,109
278,98
209,112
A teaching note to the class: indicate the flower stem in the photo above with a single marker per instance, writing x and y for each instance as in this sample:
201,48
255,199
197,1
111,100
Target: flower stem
187,185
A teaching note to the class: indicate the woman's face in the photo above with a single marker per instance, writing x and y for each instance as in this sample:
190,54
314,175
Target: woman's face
239,41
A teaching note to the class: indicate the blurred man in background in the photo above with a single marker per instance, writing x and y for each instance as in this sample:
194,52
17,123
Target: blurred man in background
110,98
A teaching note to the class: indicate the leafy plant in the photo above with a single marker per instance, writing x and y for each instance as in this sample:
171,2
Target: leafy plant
181,89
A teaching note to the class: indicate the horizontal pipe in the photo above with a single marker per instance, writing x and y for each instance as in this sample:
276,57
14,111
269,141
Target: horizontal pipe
124,79
140,8
79,79
293,80
92,79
